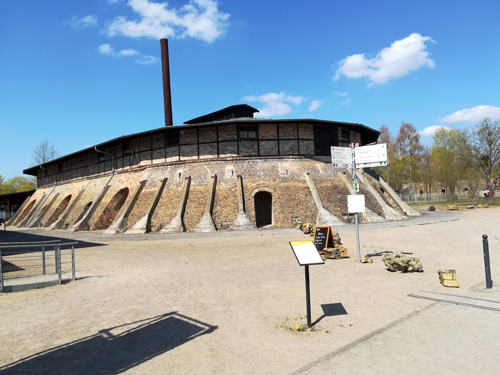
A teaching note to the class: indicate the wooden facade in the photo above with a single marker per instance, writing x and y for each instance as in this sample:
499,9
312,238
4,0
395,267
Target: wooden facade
221,139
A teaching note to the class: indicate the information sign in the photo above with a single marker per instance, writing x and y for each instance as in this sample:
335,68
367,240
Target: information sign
355,203
306,253
323,238
376,164
341,157
371,154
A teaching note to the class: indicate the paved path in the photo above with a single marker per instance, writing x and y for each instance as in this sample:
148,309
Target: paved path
457,335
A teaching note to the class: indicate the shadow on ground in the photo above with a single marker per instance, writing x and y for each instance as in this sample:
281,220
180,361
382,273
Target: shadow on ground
114,350
7,238
331,309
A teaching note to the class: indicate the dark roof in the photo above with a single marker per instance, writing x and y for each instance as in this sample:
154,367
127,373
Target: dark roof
18,194
231,112
369,135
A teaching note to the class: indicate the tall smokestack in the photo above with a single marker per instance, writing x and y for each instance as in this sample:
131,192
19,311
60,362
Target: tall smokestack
167,99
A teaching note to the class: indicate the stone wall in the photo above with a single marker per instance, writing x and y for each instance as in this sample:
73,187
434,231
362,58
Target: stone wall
283,177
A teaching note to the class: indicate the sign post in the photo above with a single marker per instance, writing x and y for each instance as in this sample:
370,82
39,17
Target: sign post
356,190
356,204
358,157
306,254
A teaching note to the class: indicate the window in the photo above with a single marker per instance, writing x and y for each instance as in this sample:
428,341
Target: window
324,138
248,132
172,139
101,158
126,149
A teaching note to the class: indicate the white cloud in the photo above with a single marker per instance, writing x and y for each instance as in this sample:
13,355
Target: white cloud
199,19
128,52
106,49
146,60
315,104
431,130
402,57
340,93
114,1
474,114
274,104
346,102
87,21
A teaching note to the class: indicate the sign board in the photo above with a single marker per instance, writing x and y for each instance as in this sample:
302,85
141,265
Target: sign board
355,203
376,164
306,253
323,238
3,215
341,157
371,154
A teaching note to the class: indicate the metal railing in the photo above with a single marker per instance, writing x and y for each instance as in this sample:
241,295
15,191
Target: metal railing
429,198
23,259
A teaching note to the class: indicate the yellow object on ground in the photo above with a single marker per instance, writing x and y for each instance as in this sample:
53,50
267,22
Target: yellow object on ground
448,278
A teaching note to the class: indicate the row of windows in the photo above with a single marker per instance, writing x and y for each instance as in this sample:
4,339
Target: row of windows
324,138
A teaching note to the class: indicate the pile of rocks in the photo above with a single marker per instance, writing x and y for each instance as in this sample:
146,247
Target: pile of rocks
307,228
337,252
403,263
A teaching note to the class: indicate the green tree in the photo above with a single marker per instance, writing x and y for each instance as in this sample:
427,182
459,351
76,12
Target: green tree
481,148
446,160
427,170
17,184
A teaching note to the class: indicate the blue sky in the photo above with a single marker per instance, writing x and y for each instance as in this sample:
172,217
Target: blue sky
78,73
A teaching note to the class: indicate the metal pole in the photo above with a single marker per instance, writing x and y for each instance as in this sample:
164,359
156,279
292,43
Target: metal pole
43,259
58,256
1,272
357,237
356,214
308,297
487,270
73,262
55,258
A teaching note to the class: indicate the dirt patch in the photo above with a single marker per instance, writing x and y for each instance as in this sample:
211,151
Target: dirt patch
228,303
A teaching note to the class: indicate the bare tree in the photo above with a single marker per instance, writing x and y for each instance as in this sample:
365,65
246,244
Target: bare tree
44,152
410,149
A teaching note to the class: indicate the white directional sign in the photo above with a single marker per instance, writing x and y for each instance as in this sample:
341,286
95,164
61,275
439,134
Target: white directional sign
371,154
368,165
341,157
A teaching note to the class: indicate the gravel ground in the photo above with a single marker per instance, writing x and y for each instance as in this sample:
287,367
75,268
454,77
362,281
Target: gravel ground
227,303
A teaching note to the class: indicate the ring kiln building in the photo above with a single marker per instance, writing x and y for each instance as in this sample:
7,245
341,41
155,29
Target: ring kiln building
224,170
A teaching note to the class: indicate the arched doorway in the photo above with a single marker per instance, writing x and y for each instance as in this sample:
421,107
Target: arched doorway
263,202
114,206
58,211
25,212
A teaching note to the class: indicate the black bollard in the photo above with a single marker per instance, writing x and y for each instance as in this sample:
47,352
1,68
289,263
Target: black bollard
486,254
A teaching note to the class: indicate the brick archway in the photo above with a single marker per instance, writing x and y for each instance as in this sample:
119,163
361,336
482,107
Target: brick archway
109,213
58,211
25,213
263,203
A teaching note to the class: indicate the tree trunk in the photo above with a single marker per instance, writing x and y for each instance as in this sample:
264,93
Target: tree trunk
490,197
